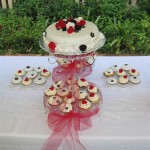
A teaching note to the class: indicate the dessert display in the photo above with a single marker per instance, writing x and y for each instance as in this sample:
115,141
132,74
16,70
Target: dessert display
29,75
122,75
71,98
72,36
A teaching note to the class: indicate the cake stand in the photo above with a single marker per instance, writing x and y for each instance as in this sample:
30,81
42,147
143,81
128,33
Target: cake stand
65,125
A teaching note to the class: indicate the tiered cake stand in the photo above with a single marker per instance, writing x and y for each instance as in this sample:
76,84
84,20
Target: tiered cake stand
65,126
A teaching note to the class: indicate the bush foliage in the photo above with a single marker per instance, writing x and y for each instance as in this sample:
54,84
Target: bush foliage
127,29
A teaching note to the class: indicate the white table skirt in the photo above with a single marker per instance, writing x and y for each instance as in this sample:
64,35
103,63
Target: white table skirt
124,122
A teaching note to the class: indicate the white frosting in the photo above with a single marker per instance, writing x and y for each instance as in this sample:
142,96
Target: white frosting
66,107
58,84
81,95
39,80
115,68
109,73
123,79
83,83
28,68
16,80
112,80
26,81
126,67
94,98
54,100
69,43
31,74
135,79
38,69
87,105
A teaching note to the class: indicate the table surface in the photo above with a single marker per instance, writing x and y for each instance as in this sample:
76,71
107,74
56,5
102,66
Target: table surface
124,121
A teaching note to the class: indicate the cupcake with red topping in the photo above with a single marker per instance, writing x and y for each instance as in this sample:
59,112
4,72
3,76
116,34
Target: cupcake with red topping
45,73
83,82
121,72
134,72
50,91
123,79
26,81
93,97
85,104
92,89
20,73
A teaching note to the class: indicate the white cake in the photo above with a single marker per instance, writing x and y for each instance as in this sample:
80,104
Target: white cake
72,37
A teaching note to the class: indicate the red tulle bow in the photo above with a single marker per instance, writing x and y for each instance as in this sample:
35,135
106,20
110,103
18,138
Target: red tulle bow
65,129
77,68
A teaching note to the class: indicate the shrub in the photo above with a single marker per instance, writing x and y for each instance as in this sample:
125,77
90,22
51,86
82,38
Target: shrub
127,30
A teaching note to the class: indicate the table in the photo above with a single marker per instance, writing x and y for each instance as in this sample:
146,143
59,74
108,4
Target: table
124,122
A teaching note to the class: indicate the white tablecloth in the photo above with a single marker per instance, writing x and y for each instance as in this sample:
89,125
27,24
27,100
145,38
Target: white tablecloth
124,122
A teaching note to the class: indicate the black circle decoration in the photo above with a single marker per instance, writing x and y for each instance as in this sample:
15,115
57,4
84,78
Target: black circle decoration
92,34
83,48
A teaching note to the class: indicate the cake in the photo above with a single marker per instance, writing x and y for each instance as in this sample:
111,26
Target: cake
72,37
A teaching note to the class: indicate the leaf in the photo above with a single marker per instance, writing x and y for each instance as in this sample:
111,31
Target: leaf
113,42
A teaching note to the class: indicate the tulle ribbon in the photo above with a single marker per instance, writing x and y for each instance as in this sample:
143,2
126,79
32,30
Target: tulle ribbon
65,129
77,68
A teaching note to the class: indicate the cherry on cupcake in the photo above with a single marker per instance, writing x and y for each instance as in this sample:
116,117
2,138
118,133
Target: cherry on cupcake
120,70
84,101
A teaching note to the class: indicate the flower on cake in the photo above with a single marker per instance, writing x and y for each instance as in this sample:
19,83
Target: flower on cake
52,47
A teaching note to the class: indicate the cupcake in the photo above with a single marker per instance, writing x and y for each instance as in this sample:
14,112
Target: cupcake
133,72
93,97
121,72
83,82
54,100
126,67
50,91
26,81
115,68
20,73
28,68
92,89
45,73
109,73
135,79
85,104
123,79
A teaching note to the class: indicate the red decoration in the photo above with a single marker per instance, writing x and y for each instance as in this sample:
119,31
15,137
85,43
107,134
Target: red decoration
92,94
70,30
125,76
44,70
51,88
84,101
19,71
68,20
52,46
81,23
26,79
133,70
69,96
120,70
91,87
83,80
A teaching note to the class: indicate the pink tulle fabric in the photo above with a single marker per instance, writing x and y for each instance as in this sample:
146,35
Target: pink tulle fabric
66,126
63,73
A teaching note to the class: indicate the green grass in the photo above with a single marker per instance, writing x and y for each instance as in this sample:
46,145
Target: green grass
127,30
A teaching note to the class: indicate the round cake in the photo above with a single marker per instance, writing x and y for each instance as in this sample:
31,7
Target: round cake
72,37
